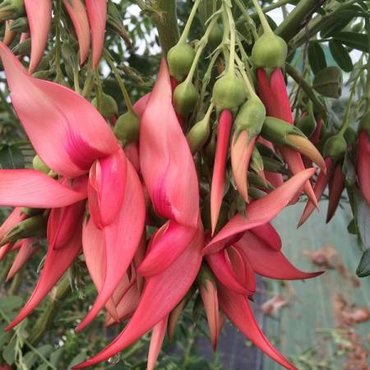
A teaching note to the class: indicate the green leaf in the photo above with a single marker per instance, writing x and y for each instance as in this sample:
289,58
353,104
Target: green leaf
11,157
341,55
29,359
353,40
9,353
4,337
363,221
363,268
316,57
10,303
55,356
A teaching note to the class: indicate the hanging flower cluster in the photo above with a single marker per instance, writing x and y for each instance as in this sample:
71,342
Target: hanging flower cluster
151,205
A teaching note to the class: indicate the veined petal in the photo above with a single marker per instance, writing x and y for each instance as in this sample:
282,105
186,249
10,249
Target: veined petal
156,341
77,12
107,180
165,158
39,20
237,309
57,262
260,211
218,177
162,292
121,240
67,132
31,188
268,262
97,14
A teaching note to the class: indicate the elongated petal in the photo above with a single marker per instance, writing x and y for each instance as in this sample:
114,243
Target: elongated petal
67,132
241,151
363,167
39,20
218,177
57,262
77,12
222,269
161,294
9,35
122,238
165,159
26,250
268,262
237,309
168,246
336,187
15,217
30,188
107,180
260,211
97,14
268,235
156,341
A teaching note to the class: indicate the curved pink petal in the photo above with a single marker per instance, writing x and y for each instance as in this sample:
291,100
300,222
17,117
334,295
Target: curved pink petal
336,187
57,262
260,211
363,167
39,20
107,180
219,166
132,153
121,240
97,14
141,104
31,188
221,267
162,292
77,12
67,132
237,309
268,234
156,341
268,262
168,246
165,158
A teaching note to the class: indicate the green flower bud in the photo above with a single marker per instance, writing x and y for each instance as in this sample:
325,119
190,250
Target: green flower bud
335,147
108,106
185,97
229,92
269,51
39,165
127,128
215,36
199,134
328,82
180,58
307,124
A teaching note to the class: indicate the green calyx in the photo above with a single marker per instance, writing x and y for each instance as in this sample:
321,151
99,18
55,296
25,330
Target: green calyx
127,128
328,82
250,117
108,106
180,59
335,147
269,51
185,97
39,165
229,92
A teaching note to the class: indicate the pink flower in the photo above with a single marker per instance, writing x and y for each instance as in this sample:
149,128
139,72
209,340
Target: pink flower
363,170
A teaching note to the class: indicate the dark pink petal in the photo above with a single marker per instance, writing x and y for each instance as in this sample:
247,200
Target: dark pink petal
156,341
121,240
97,14
31,188
107,180
67,132
222,268
168,246
260,211
57,262
165,158
268,262
336,187
363,166
237,309
161,294
77,12
132,153
268,234
219,166
39,20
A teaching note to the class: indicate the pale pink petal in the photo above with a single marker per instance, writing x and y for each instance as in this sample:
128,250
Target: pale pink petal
156,341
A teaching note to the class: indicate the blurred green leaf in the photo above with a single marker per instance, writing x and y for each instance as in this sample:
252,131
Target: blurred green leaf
341,55
316,57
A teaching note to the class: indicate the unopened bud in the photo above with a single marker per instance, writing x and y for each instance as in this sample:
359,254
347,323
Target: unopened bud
215,36
127,128
39,165
328,82
307,124
108,106
199,134
335,147
185,97
180,59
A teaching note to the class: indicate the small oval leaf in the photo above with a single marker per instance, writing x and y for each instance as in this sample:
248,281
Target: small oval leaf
341,55
316,57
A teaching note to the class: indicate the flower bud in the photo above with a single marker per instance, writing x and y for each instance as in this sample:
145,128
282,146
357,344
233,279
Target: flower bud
185,97
11,9
269,51
335,147
108,106
127,128
328,82
199,134
229,92
215,36
180,58
39,165
307,124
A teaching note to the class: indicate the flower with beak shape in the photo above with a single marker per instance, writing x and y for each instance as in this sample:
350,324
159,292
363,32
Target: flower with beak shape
72,147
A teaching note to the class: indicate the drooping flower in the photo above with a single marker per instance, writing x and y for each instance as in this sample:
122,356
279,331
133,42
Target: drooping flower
363,171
